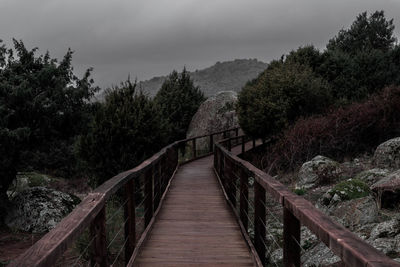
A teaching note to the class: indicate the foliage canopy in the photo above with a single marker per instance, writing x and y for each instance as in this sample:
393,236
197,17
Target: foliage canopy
126,129
357,63
43,106
178,100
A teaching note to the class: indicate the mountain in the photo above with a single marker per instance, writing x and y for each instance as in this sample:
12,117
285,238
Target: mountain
223,76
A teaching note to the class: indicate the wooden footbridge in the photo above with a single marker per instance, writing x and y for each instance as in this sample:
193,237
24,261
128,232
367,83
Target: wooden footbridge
186,207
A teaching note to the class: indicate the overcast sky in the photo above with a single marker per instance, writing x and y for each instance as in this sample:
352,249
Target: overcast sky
146,38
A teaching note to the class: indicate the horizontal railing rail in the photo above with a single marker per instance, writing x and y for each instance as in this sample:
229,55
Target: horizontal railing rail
238,177
145,184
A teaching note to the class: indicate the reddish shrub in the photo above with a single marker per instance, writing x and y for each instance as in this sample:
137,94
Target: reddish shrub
347,131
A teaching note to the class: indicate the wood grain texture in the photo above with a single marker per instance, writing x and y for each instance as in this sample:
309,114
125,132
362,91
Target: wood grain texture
195,226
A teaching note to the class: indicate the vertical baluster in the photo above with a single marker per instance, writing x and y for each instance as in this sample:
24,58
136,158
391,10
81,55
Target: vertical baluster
223,170
157,184
229,144
259,221
211,143
149,193
162,175
291,239
232,182
243,144
99,246
244,196
194,148
130,225
237,131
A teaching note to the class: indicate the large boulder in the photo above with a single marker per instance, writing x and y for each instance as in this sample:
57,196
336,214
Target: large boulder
25,180
356,212
319,170
353,214
217,113
39,209
387,191
387,154
388,246
386,229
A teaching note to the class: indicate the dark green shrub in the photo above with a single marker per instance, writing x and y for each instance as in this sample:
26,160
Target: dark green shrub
125,130
43,107
349,131
282,94
350,189
299,191
178,100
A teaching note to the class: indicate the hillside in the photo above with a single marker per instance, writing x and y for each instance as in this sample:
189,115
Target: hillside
223,76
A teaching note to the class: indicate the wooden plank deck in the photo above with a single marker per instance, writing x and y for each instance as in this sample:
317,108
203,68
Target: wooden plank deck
195,226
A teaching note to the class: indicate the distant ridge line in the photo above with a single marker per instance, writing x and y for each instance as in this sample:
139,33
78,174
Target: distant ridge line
222,76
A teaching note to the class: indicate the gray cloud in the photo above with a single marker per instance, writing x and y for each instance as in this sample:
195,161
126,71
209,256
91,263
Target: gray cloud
144,38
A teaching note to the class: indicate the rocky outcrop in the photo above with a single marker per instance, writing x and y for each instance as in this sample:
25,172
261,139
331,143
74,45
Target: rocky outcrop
39,209
320,255
389,228
368,204
387,191
387,154
347,190
372,176
217,113
356,212
319,170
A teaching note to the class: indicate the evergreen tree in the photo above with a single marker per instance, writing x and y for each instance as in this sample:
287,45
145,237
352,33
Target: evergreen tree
43,106
366,33
125,130
178,100
281,94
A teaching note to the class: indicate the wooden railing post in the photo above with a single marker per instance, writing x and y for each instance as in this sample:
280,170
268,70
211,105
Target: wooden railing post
234,181
149,193
157,184
244,196
211,143
130,225
99,245
291,239
243,144
194,148
231,180
223,170
221,166
162,176
215,157
259,221
237,131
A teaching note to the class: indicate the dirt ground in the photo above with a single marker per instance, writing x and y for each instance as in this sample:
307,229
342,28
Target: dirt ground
13,244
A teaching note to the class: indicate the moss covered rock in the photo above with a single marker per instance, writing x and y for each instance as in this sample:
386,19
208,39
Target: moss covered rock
347,190
319,170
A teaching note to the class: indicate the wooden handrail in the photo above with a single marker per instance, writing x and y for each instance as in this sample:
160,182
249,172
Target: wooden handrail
90,213
296,212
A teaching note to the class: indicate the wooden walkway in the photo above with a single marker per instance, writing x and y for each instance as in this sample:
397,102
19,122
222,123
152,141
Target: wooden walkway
195,226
